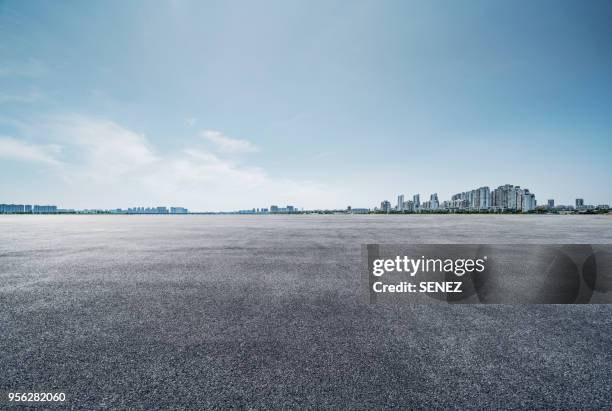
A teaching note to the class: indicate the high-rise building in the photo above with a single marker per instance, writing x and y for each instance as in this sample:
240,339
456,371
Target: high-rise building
460,201
514,197
551,203
579,203
484,198
416,199
516,200
385,206
274,209
400,202
509,197
528,201
506,197
434,204
472,199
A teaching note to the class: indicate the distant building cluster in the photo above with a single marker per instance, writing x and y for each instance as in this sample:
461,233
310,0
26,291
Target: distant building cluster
274,209
578,207
581,206
147,210
505,198
51,209
288,209
156,210
356,210
27,209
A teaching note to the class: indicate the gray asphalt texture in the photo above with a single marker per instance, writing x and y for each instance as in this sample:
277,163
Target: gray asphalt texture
268,312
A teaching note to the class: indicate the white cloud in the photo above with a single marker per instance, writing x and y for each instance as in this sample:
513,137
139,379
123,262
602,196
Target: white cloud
104,150
202,179
13,148
207,166
105,164
226,144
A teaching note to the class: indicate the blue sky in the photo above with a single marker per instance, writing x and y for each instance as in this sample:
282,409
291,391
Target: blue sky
228,104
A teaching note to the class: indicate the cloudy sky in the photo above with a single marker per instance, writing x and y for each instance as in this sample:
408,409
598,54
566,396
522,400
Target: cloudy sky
230,105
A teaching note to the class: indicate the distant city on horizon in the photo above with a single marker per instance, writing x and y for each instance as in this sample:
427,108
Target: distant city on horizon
507,198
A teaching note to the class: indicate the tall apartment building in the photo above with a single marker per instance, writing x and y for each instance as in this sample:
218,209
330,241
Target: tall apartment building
484,198
434,204
528,201
477,199
513,198
385,206
409,206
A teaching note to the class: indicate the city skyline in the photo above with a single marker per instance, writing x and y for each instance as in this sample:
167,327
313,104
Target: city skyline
220,105
506,197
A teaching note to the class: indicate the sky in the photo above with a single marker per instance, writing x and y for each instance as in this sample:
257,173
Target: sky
230,105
